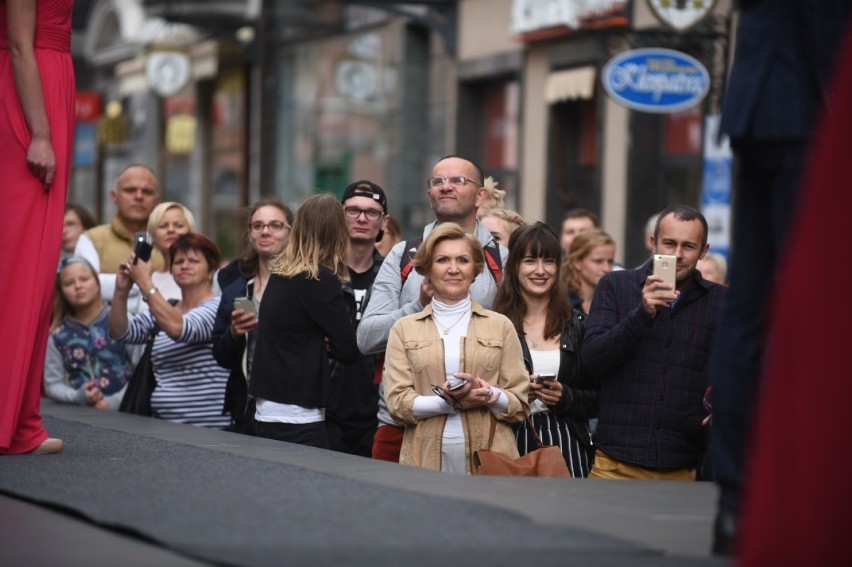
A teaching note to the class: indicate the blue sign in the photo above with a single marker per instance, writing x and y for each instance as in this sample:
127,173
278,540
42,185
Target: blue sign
655,80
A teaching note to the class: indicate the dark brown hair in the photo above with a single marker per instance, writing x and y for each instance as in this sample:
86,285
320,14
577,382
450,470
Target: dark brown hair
86,218
199,242
538,241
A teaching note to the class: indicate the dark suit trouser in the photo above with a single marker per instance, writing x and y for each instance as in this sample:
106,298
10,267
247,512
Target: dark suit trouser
767,185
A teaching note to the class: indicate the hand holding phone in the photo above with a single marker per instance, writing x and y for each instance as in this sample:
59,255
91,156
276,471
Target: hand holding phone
666,267
142,247
246,304
543,377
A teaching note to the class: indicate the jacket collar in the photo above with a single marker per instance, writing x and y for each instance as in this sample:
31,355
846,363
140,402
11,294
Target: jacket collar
475,307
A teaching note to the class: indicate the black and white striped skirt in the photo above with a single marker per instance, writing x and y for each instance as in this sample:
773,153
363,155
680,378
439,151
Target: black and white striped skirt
554,430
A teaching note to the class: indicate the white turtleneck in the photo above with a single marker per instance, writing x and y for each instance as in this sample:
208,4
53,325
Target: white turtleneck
452,322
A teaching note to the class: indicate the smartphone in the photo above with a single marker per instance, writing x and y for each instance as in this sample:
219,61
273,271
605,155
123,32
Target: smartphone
666,266
245,304
544,377
456,383
142,247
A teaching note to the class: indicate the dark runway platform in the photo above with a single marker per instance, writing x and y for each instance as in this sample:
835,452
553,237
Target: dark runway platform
135,491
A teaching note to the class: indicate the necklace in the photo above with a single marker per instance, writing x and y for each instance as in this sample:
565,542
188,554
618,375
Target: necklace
448,329
532,342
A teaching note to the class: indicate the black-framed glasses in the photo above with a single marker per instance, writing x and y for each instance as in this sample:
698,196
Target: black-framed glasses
273,226
451,401
455,181
355,212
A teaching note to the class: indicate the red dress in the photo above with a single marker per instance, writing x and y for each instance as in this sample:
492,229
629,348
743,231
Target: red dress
797,500
31,223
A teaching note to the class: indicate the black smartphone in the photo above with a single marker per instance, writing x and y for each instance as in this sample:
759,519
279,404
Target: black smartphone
142,247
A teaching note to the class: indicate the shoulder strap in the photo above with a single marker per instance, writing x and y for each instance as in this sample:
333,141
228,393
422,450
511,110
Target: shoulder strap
406,261
492,259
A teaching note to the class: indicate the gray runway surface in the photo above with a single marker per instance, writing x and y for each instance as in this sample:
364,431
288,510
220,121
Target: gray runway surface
227,499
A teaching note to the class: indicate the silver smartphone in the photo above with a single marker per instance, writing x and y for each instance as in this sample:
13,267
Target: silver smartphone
456,383
666,267
544,377
245,304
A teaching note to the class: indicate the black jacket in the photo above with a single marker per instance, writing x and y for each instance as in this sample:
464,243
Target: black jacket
580,399
297,315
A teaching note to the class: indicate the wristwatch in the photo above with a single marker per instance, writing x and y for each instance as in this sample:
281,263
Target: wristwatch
149,294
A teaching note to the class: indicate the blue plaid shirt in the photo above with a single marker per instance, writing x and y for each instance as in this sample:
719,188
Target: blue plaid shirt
652,371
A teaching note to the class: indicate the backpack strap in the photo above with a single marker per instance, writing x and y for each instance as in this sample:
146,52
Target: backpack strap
492,259
406,261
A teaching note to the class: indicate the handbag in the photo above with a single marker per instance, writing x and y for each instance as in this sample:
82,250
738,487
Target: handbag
137,396
546,460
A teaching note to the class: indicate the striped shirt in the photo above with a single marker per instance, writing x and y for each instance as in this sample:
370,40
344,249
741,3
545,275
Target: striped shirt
190,385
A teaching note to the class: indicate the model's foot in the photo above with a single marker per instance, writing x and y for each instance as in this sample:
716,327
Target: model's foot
49,445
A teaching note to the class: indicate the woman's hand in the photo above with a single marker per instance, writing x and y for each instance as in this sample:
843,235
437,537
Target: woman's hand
549,392
243,322
475,394
140,272
42,160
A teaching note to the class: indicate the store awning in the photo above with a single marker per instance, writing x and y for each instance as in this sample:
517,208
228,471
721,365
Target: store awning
572,84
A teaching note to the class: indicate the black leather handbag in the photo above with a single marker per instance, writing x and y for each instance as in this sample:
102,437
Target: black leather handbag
137,396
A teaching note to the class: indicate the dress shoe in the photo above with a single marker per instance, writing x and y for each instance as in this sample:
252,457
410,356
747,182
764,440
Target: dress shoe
49,445
725,533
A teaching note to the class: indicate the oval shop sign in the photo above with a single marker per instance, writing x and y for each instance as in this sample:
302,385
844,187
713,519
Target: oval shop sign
655,80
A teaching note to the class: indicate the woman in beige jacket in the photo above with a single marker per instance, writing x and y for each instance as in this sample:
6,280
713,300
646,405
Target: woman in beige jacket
454,365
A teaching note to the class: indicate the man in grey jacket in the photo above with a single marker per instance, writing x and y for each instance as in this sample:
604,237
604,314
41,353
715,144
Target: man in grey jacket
455,190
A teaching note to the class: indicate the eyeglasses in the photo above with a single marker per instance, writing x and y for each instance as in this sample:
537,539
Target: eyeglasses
273,226
355,212
455,181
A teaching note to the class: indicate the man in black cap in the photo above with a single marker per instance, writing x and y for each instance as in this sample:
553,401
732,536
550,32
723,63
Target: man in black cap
350,417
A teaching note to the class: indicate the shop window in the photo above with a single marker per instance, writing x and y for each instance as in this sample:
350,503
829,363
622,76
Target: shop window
573,164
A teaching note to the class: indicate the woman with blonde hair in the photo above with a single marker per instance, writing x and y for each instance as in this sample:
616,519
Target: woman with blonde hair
302,320
590,256
166,223
501,223
454,368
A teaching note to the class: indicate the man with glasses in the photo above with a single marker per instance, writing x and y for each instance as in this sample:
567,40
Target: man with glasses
350,417
455,191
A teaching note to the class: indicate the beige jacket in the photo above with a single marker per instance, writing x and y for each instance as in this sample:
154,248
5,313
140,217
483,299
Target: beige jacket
414,362
114,244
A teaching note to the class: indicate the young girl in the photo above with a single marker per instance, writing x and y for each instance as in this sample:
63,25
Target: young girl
83,365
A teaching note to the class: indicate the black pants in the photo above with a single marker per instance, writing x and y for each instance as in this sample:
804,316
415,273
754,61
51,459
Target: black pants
311,434
350,439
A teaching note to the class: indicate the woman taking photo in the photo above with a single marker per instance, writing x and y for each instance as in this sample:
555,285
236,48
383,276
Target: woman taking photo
303,318
455,366
266,230
562,396
190,385
166,223
84,365
590,257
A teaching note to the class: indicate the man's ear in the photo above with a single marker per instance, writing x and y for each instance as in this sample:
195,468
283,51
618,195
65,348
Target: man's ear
704,252
481,195
653,242
113,196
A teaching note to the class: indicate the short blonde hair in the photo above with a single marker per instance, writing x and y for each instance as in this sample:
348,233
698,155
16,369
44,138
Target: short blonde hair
496,198
448,231
508,215
157,215
319,238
